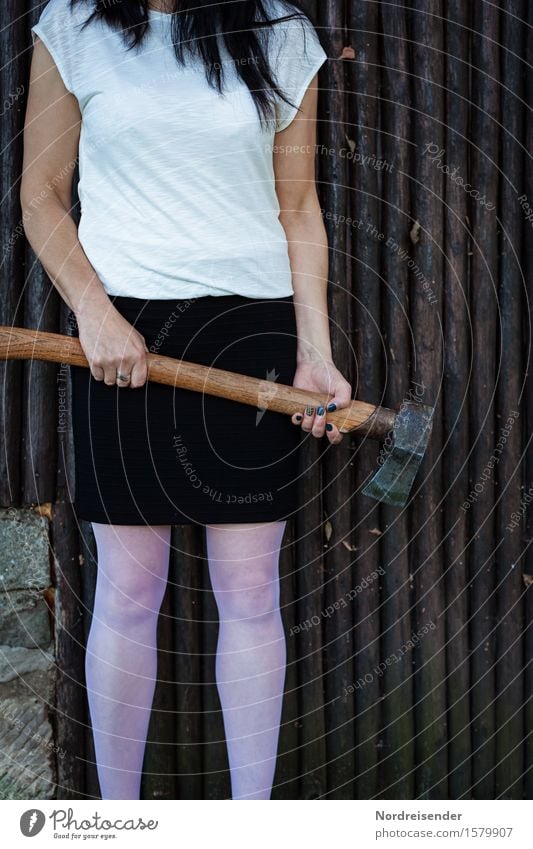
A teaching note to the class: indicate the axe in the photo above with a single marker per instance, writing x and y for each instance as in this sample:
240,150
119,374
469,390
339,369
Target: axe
410,427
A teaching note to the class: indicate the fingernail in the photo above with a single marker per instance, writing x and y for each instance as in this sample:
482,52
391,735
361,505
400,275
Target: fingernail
320,411
329,427
309,411
298,417
332,407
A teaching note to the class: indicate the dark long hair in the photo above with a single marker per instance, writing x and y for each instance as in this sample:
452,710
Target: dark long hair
244,26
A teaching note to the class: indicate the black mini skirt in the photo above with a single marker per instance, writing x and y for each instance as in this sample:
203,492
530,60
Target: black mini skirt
164,455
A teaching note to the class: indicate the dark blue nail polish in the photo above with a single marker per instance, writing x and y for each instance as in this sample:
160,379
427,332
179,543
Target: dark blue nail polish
320,411
329,427
332,407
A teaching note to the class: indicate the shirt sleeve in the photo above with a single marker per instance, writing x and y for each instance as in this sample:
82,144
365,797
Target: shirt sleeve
55,29
298,55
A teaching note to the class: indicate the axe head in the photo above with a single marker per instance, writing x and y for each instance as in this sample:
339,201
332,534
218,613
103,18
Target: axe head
393,481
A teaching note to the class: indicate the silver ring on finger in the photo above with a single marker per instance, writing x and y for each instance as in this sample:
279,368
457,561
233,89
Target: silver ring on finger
124,378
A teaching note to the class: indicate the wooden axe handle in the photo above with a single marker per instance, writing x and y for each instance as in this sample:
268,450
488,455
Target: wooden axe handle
18,343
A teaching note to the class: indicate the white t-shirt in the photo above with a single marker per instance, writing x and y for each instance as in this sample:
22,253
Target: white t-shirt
177,187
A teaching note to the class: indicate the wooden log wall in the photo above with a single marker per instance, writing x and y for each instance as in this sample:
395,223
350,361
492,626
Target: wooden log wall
409,635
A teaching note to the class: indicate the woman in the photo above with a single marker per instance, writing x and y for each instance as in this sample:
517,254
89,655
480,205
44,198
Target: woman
200,237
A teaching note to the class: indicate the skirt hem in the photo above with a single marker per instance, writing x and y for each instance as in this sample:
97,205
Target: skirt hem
105,519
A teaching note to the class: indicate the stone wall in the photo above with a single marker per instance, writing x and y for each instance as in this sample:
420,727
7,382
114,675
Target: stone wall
27,659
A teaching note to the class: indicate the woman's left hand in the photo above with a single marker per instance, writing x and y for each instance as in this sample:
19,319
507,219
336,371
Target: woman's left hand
324,377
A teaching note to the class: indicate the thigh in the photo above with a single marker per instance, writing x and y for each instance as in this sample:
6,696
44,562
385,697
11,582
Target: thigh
132,557
243,555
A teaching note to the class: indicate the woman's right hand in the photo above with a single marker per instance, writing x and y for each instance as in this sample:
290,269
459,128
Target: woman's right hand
112,346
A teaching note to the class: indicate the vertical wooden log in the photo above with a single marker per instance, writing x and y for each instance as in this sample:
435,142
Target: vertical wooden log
455,410
310,7
361,145
286,779
187,564
13,89
70,705
526,528
216,783
509,649
483,305
309,576
397,736
159,779
337,482
89,568
426,32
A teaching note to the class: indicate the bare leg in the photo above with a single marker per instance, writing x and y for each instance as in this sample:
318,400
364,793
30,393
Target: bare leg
121,657
251,650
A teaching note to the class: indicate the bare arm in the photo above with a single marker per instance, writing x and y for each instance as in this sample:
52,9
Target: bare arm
51,138
294,166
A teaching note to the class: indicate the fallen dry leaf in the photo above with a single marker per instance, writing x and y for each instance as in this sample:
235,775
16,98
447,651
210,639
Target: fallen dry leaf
415,233
347,53
351,144
328,529
44,510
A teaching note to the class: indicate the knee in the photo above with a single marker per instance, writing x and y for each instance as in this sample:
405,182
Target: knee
133,600
250,605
